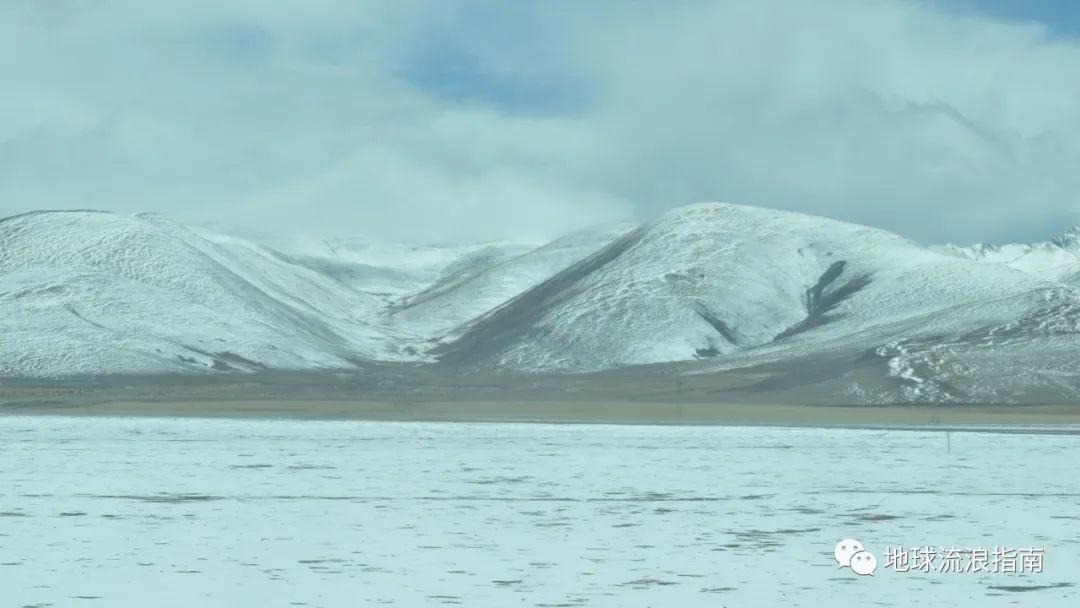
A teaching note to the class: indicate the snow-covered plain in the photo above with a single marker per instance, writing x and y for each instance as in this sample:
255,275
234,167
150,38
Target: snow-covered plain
177,513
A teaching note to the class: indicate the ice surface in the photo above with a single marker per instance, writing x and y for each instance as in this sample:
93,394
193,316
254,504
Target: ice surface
163,512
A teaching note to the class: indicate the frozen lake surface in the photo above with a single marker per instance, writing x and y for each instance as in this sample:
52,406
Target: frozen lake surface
167,512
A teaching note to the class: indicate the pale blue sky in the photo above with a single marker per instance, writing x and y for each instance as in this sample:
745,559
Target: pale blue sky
1061,17
425,120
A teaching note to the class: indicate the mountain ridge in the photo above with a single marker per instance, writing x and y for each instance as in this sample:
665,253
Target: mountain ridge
715,286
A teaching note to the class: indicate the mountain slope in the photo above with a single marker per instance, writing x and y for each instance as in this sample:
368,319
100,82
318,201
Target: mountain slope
1022,348
97,293
715,279
393,272
462,294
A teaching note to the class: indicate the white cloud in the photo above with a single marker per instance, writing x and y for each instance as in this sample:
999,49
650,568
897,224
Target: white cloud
357,117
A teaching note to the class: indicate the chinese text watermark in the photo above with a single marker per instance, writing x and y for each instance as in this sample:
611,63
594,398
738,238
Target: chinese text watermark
955,560
851,553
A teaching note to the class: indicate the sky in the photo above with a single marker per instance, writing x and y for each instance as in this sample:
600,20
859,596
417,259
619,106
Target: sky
433,121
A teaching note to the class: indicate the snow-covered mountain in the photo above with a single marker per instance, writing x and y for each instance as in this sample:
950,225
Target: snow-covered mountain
1058,259
711,280
93,293
464,293
97,293
721,287
394,271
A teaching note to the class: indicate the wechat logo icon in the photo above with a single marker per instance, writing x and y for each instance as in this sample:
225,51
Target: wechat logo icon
850,553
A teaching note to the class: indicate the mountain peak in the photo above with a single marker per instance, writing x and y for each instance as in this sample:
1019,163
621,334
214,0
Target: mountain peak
1069,240
718,210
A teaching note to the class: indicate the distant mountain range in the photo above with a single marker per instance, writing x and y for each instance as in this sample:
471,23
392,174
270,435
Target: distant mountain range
717,287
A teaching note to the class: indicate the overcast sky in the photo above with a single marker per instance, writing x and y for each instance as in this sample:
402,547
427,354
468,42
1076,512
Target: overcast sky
449,121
